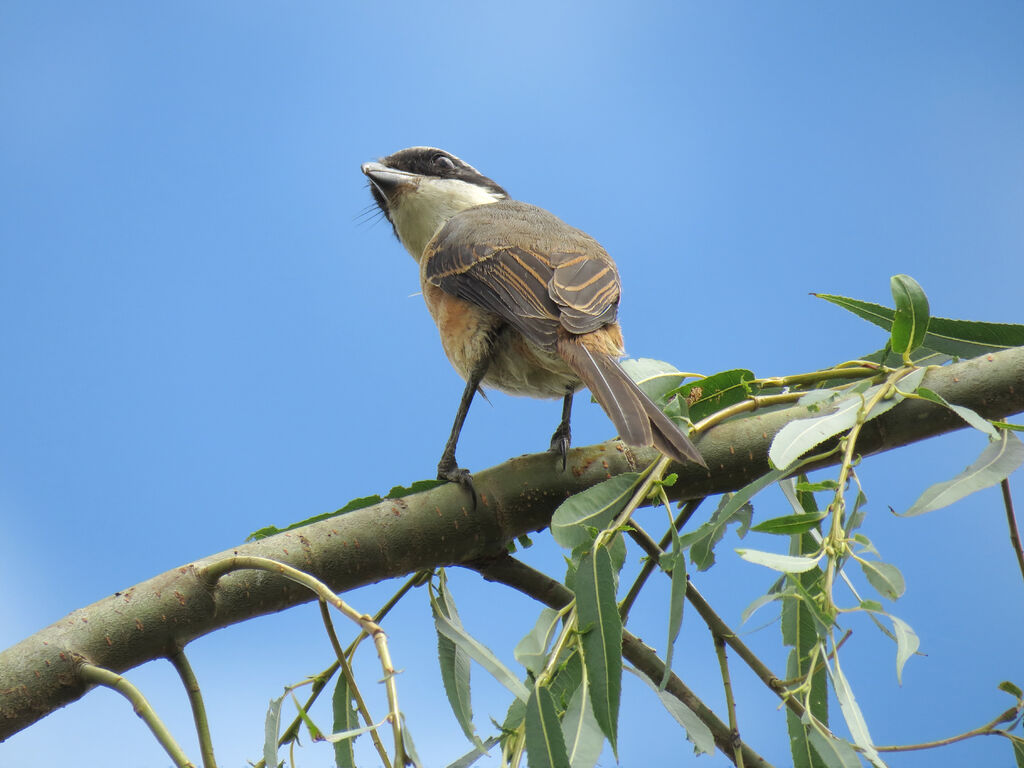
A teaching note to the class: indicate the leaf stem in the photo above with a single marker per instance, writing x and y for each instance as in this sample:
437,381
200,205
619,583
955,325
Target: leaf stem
730,702
100,676
195,700
242,562
1011,521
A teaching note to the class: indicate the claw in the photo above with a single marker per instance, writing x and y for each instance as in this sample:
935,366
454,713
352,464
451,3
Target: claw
453,473
560,446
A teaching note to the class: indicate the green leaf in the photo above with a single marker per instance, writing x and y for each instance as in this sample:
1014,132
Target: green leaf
824,485
545,747
696,731
480,654
910,323
454,662
800,436
1011,689
1018,750
803,632
567,680
907,643
345,719
582,734
993,466
271,730
884,577
789,525
733,508
601,640
532,650
971,417
852,714
675,563
580,514
960,338
656,378
784,563
713,393
834,753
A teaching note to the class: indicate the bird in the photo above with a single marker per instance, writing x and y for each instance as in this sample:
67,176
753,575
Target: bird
524,302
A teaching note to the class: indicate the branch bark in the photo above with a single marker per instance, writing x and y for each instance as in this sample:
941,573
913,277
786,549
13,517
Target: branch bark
439,527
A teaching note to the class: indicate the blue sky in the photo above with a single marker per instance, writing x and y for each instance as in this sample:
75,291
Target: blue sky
202,337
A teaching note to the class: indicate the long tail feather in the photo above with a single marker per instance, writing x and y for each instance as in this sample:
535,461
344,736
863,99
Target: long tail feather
638,420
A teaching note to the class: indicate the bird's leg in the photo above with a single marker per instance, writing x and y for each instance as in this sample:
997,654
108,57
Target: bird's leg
560,440
448,468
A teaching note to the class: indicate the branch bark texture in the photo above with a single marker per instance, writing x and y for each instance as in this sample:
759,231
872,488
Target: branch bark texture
438,527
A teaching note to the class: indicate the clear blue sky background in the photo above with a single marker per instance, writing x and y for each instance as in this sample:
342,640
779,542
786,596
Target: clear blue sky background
199,336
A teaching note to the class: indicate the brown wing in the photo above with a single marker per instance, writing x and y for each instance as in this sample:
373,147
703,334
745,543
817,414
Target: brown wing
528,267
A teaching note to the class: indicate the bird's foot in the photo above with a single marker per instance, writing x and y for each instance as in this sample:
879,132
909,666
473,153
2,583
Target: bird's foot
560,443
453,473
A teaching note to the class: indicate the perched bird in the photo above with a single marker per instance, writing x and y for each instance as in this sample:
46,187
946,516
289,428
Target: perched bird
524,302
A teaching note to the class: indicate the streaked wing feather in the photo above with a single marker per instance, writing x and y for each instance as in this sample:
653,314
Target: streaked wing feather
586,289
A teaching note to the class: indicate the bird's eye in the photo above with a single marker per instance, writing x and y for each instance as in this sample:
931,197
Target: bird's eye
444,162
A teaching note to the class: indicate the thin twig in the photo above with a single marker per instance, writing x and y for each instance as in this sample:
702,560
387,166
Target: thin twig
1011,520
346,670
195,700
241,562
989,728
652,561
730,702
100,676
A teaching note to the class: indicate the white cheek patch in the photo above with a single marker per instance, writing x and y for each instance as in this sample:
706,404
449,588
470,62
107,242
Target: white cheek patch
424,210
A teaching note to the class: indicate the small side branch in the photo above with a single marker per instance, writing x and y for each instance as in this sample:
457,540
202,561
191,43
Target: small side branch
1011,521
195,700
99,676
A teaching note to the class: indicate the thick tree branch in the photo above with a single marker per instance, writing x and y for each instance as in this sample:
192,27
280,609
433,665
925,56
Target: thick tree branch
396,537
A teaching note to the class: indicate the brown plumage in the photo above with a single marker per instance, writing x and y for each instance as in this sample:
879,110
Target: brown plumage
557,290
524,303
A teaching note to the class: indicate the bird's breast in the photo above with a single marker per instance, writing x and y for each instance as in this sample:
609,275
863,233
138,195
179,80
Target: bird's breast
517,365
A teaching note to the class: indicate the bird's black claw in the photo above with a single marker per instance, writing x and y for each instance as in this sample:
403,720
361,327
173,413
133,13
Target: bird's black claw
560,444
456,474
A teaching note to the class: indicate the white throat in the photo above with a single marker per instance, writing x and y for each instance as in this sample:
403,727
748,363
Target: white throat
422,211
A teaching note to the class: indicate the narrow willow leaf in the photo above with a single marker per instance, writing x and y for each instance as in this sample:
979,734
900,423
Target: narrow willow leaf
598,621
789,525
798,437
1011,688
345,719
467,760
676,565
545,747
595,507
271,730
910,323
532,650
960,338
833,752
759,603
884,577
907,643
732,508
481,654
407,744
696,731
713,393
802,631
583,737
346,737
784,563
656,378
994,465
852,714
1018,750
454,662
971,417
